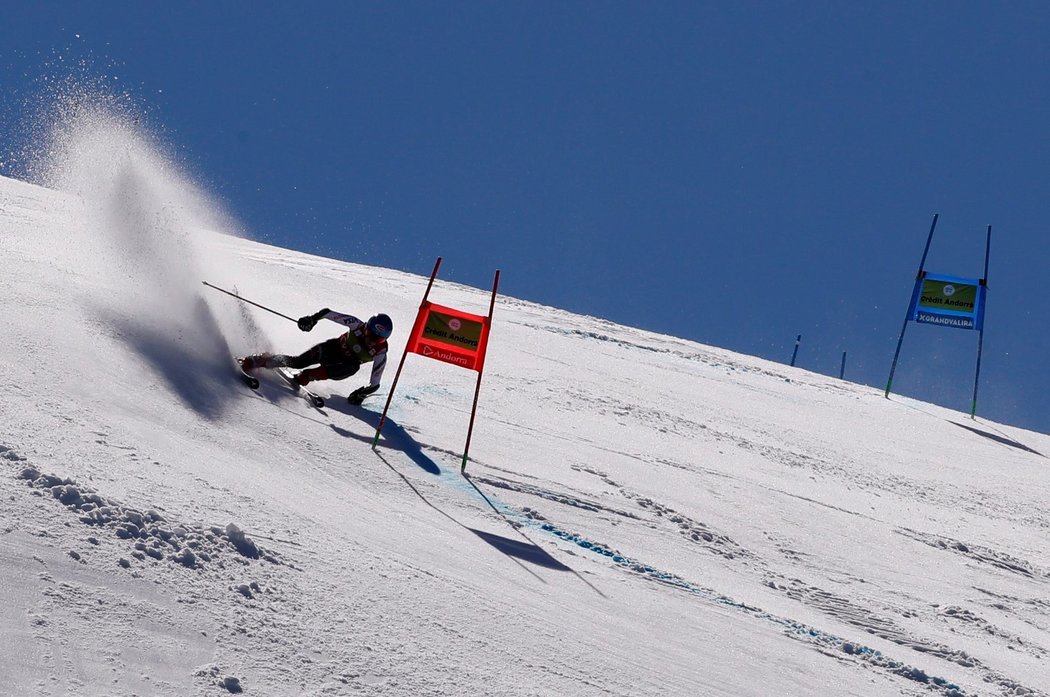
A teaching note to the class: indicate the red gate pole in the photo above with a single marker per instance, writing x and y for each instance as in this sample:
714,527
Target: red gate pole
477,390
393,386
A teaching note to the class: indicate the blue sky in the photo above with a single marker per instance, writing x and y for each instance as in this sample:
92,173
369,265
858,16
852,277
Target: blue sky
735,173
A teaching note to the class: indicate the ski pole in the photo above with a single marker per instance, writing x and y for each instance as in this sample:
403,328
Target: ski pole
261,307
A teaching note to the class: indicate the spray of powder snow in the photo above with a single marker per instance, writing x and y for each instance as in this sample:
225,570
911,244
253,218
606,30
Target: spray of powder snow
144,234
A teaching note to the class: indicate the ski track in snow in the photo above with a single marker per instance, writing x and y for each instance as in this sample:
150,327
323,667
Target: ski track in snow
834,606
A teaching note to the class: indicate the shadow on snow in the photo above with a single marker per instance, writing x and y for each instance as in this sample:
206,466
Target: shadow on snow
526,551
999,438
397,438
394,436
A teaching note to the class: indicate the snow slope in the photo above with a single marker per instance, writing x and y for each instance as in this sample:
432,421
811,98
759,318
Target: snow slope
644,515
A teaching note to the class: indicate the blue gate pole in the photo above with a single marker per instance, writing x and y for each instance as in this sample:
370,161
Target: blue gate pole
842,369
900,339
794,354
977,375
980,338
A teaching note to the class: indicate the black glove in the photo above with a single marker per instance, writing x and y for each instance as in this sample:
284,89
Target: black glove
307,322
358,395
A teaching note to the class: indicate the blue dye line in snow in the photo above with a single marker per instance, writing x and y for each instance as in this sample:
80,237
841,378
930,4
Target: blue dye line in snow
797,629
807,633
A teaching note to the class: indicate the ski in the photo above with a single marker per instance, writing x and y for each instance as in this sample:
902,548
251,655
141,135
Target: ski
249,380
316,401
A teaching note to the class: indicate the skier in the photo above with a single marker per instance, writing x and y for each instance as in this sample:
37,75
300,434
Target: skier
337,358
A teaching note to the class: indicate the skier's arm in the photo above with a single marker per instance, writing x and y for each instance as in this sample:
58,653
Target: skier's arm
309,321
347,320
378,364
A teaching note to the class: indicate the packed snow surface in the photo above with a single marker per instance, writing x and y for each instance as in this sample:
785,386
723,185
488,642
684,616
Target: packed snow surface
640,515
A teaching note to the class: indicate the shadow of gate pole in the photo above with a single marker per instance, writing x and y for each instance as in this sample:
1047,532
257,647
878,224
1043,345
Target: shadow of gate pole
397,438
394,436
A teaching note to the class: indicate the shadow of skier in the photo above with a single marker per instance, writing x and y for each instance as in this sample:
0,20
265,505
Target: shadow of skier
394,436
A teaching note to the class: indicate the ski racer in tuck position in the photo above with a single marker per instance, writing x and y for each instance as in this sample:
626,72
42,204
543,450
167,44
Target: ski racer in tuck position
338,358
